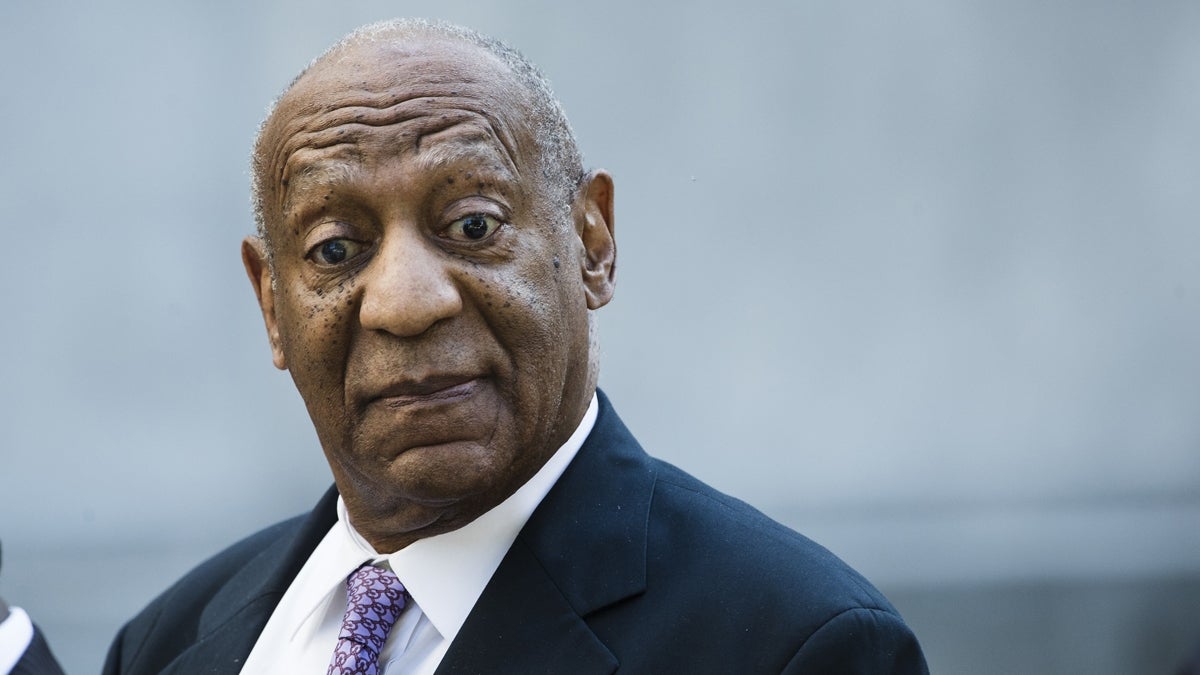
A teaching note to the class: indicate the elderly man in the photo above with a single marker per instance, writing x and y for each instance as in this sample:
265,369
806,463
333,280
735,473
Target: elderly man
429,257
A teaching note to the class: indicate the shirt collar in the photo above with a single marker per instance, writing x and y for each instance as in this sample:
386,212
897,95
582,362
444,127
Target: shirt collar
445,574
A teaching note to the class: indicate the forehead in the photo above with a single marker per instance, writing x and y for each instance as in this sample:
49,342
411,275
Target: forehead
434,99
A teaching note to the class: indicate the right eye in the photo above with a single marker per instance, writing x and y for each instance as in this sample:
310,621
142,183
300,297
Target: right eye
335,251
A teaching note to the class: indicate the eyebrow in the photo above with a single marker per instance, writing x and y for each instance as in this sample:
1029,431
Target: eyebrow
446,138
443,155
322,173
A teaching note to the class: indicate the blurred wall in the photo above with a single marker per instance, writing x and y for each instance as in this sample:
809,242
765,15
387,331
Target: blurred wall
919,279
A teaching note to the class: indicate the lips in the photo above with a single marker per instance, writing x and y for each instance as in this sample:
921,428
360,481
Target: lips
434,389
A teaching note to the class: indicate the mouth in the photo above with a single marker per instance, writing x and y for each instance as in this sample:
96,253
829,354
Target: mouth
440,389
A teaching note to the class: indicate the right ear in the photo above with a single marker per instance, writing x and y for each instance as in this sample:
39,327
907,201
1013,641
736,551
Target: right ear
258,268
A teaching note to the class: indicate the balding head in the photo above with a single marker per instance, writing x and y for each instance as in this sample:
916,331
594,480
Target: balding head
559,159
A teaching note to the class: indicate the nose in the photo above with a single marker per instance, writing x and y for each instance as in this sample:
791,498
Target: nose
408,287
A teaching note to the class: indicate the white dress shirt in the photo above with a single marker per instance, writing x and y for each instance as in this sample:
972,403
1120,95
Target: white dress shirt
444,574
16,632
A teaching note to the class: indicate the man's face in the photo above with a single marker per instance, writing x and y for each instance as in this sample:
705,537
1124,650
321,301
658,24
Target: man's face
430,294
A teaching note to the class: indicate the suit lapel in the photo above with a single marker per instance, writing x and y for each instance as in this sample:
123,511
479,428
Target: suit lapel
232,621
583,549
523,624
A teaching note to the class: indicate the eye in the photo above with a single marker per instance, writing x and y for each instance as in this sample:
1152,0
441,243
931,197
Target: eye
474,227
335,251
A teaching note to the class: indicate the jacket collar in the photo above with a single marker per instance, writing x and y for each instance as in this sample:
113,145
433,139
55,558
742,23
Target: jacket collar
583,549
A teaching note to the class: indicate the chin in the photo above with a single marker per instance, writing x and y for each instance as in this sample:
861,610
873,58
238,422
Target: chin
451,473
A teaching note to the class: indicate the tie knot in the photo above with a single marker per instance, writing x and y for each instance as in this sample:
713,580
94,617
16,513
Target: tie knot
374,600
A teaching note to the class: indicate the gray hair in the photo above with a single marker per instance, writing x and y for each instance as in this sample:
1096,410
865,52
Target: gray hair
559,158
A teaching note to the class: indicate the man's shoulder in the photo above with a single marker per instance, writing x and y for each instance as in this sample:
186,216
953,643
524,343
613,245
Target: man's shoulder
217,571
695,533
239,585
698,529
184,601
723,587
720,572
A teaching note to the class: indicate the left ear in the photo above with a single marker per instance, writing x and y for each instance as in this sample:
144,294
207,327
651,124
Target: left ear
594,225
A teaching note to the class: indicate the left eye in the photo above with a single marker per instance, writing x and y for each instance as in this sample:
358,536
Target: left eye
474,227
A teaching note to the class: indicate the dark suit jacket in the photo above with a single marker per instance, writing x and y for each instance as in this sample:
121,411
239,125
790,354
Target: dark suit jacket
37,659
628,563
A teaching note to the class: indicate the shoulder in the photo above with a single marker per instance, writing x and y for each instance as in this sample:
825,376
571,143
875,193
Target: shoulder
694,531
697,529
773,599
726,588
239,586
180,609
199,585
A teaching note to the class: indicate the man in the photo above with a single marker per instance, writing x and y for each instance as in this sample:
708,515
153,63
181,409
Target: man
23,650
429,256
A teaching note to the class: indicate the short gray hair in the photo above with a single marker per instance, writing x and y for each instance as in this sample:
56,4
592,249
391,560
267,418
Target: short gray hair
560,161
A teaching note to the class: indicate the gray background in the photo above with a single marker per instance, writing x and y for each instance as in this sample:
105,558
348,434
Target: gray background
919,279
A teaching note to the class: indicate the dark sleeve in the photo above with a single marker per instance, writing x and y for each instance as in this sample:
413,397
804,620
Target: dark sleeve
862,642
37,659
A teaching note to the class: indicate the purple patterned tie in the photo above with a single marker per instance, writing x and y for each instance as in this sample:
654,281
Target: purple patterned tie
374,599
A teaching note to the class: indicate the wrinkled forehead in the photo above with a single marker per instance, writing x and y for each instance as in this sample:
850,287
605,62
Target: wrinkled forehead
429,98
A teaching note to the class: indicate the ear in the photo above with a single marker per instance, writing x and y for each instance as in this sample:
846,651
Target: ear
258,268
594,225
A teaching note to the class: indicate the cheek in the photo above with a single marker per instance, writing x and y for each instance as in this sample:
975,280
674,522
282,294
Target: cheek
520,303
531,309
313,329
